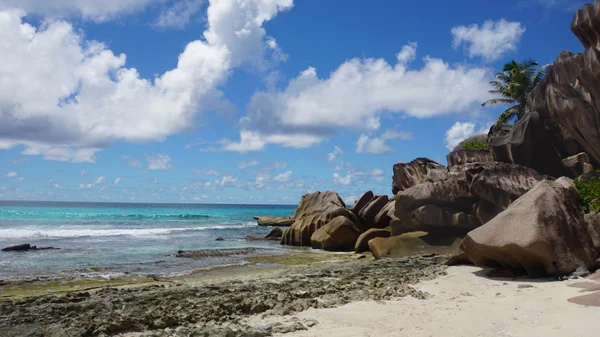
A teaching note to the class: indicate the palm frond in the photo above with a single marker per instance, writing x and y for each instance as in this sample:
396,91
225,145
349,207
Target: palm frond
507,115
498,101
539,75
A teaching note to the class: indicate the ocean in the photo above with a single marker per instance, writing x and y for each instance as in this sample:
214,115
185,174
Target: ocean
107,239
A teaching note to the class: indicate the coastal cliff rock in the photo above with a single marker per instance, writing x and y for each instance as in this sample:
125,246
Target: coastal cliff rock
314,211
274,221
362,243
592,221
361,202
562,114
386,214
541,232
339,234
416,172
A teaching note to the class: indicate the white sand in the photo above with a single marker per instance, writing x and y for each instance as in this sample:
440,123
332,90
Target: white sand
464,305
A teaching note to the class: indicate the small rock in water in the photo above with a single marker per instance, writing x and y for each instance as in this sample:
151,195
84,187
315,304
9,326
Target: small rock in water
25,247
219,239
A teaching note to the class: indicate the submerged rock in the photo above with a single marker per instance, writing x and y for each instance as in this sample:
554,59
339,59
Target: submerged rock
209,253
26,247
273,221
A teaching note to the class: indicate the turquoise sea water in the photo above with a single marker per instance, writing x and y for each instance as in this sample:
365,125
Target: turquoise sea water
114,239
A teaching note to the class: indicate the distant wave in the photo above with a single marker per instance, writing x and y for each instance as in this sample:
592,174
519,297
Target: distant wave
101,216
22,233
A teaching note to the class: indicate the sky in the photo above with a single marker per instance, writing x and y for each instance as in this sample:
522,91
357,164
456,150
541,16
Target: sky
249,101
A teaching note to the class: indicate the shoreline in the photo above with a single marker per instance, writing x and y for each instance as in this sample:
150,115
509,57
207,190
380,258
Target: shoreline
217,300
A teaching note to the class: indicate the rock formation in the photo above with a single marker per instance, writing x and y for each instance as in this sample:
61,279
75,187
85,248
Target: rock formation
314,211
362,243
540,232
562,115
417,171
361,202
461,156
340,234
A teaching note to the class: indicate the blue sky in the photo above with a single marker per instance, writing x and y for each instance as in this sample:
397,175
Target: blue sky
248,101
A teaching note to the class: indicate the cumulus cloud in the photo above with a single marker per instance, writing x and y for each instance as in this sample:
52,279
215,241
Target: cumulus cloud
244,164
355,95
227,181
117,181
99,180
58,187
332,155
461,131
341,180
179,14
159,162
377,145
283,177
11,174
491,41
100,100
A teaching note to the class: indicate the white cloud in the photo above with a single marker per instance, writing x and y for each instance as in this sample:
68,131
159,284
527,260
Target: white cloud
255,141
227,181
99,180
332,155
159,162
97,10
377,145
491,41
117,181
461,131
349,200
356,95
100,100
86,186
58,187
341,180
207,172
244,164
283,177
179,14
11,174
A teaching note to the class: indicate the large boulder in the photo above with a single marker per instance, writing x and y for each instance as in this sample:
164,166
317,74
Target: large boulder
368,214
362,243
416,172
386,214
538,233
592,222
339,234
530,145
499,185
361,202
413,244
314,211
435,207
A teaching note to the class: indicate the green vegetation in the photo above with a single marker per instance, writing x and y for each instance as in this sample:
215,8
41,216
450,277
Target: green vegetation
475,144
513,85
589,193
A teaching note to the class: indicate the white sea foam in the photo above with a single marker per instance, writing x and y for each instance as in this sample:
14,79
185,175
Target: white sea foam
22,233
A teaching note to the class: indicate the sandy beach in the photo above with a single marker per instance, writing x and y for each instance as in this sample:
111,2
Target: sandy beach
463,303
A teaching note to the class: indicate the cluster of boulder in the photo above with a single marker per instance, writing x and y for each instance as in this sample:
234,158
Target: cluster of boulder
513,206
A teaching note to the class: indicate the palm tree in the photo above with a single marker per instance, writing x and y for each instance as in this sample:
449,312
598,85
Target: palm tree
514,84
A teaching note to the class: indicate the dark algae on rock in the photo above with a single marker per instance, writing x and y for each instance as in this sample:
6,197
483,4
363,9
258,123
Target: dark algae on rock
217,309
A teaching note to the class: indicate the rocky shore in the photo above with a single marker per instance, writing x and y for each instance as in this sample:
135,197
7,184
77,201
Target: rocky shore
217,307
